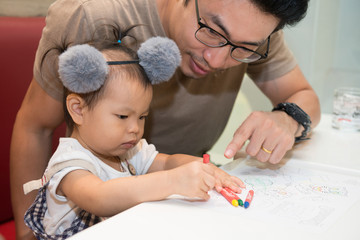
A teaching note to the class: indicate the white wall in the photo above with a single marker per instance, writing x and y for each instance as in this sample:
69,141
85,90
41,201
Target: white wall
326,45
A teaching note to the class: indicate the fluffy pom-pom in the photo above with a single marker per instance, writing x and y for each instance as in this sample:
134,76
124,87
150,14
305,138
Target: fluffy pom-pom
160,57
82,68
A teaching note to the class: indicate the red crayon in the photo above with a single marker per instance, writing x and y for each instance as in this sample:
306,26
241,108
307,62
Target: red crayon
235,196
206,158
230,197
248,199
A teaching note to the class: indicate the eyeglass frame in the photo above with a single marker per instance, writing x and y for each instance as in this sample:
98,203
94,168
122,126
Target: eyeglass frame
202,25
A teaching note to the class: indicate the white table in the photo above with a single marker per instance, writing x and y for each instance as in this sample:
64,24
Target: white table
169,219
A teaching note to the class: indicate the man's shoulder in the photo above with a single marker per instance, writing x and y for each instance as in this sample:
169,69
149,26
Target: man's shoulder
93,14
110,5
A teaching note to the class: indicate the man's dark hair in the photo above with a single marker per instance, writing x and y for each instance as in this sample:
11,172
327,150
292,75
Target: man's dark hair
289,12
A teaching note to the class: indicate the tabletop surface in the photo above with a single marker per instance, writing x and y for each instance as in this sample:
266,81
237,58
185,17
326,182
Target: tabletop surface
180,219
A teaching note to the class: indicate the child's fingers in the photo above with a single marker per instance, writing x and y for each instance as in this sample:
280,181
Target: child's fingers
238,181
204,195
209,182
231,182
220,179
235,184
223,179
209,168
218,186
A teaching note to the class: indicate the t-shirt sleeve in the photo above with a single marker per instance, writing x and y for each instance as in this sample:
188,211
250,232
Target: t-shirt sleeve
279,61
66,24
56,179
65,161
142,156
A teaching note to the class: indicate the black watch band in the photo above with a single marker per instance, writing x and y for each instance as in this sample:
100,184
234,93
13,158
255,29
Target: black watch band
298,115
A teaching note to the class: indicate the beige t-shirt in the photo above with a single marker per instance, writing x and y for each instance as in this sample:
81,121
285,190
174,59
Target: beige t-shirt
187,115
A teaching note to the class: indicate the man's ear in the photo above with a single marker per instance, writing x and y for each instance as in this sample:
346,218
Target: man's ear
75,106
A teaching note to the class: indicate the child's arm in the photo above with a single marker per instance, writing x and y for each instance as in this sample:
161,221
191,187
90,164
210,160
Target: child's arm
223,179
169,174
108,198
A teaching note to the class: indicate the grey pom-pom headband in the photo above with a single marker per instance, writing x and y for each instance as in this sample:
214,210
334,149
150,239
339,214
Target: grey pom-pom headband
83,68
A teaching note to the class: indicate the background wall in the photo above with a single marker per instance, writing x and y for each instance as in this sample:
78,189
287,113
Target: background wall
326,44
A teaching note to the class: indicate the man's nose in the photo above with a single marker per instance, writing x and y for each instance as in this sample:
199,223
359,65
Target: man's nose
216,58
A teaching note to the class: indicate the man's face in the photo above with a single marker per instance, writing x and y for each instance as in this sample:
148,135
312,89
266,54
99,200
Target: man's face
239,21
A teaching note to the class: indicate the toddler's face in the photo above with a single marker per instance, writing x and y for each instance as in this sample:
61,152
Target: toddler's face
116,123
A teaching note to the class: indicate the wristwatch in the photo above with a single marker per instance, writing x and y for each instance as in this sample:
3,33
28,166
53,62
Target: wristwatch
298,115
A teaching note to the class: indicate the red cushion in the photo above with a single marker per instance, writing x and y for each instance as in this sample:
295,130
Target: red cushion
19,39
7,230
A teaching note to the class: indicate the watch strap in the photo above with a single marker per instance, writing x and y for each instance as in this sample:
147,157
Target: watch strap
298,115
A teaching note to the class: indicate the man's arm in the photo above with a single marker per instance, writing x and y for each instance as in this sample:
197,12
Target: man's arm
30,148
275,131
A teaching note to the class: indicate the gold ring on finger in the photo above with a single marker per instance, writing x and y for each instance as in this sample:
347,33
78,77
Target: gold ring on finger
266,150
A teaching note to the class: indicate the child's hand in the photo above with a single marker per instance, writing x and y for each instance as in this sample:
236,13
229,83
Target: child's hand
193,179
223,179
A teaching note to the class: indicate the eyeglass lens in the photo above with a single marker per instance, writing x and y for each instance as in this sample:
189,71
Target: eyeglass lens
212,38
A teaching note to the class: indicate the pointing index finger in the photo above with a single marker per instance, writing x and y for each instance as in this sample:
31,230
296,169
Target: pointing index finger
237,142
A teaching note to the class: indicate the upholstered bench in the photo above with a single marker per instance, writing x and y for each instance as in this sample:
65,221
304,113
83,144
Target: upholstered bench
19,38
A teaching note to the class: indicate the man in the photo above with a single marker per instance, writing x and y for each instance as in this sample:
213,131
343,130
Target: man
219,42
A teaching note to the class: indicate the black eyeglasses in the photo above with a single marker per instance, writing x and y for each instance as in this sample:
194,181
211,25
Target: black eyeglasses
212,38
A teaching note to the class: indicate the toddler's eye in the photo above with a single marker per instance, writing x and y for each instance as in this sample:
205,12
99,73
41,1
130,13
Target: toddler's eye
122,116
143,117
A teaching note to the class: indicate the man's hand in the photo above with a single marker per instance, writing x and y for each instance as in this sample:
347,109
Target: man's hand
270,135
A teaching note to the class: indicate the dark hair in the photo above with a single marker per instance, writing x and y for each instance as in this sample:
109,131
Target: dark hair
113,51
289,12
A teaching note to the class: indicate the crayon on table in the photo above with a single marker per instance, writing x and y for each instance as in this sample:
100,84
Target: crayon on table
227,193
248,199
230,197
241,203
